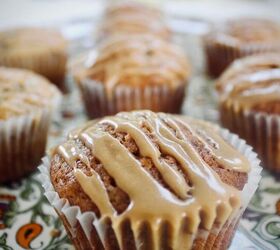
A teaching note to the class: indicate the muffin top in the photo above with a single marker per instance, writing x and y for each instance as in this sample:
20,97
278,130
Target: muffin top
23,92
133,18
137,60
31,39
145,166
252,83
134,23
131,7
246,31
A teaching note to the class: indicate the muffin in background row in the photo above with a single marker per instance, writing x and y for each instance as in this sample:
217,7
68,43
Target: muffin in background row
143,180
239,38
130,18
250,104
41,50
133,72
27,101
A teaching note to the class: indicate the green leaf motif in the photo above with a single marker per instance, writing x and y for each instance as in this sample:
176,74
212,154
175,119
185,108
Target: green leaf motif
3,238
13,206
26,192
3,242
57,223
272,190
47,219
273,228
9,219
256,201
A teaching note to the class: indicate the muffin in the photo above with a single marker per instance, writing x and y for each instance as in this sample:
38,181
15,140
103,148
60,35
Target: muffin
249,93
133,18
41,50
132,7
135,72
239,38
144,180
26,104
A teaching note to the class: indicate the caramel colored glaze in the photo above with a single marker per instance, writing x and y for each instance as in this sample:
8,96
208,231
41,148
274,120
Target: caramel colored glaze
23,92
134,23
150,202
130,7
137,60
246,31
24,40
252,83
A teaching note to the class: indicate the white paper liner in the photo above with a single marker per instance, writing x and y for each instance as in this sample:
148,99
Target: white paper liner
259,129
220,54
126,98
74,216
23,140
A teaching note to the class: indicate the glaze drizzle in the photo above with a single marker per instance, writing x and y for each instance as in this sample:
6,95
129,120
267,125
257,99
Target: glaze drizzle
150,202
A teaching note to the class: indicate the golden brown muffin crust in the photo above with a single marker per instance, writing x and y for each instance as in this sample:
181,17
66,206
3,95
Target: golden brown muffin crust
23,92
246,31
26,40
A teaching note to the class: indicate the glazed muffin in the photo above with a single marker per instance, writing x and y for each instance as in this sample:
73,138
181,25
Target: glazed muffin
239,38
26,104
135,72
132,7
250,104
144,180
133,18
41,50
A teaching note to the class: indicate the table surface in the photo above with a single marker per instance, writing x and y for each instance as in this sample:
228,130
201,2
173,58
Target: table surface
23,208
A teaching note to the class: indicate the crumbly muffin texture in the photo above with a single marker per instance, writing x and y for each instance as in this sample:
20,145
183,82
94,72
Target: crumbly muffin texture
141,167
23,92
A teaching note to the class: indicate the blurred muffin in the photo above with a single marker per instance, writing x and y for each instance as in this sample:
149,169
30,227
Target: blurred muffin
132,7
135,72
38,49
250,104
238,38
133,18
143,180
26,104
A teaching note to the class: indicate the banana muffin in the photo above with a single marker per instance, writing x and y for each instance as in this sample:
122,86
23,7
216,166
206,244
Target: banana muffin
135,72
133,18
27,101
144,180
41,50
239,38
249,93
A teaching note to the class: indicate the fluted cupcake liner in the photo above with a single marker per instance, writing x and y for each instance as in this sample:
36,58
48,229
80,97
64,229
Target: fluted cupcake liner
125,98
85,229
23,140
51,64
259,129
220,55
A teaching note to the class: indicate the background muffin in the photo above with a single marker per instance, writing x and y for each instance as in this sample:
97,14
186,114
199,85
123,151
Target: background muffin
26,104
133,18
238,38
41,50
98,181
135,72
250,104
